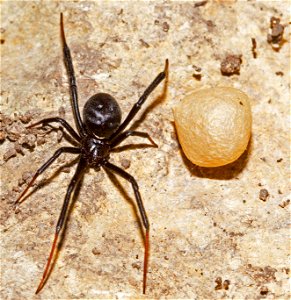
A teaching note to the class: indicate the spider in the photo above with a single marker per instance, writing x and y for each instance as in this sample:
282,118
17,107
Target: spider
100,131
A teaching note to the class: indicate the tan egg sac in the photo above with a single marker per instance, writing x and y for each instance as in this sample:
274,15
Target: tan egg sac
214,125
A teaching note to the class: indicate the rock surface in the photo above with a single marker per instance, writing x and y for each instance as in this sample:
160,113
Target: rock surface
211,235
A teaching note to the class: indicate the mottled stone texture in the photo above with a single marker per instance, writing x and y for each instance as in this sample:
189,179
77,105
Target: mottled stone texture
212,236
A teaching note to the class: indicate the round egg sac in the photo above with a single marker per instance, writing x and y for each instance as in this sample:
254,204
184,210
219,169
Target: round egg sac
214,125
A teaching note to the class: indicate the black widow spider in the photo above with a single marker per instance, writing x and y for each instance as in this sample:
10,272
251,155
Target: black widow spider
100,131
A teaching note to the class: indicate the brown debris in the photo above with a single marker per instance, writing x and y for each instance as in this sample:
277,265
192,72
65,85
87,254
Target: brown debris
144,43
11,152
2,136
285,203
262,275
136,265
200,3
264,290
279,73
231,65
18,147
197,72
166,27
40,140
221,285
26,117
28,140
14,131
264,194
96,251
254,47
275,35
5,120
226,284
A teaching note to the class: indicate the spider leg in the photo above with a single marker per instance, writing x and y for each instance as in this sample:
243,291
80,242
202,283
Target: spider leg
136,107
76,178
142,212
45,166
63,122
121,137
72,80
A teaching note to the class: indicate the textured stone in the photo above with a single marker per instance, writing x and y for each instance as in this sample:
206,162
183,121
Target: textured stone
205,223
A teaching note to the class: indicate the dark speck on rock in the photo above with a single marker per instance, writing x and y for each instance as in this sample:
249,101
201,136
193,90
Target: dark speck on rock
166,27
125,163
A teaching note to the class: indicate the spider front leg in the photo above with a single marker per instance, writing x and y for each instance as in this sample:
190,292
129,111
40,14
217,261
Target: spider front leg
63,122
45,166
120,138
72,80
136,107
142,212
76,178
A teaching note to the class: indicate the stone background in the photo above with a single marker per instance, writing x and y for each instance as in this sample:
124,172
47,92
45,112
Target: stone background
212,237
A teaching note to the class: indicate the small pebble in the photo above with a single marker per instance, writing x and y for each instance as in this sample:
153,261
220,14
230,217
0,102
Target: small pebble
166,27
25,118
95,251
285,203
231,65
226,284
40,140
14,131
218,282
275,35
9,153
18,148
2,136
264,194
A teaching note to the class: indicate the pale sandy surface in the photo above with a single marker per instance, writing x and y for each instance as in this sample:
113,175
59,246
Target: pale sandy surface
205,223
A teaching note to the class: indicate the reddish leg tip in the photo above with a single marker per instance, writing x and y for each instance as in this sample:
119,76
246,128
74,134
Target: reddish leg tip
40,286
48,265
38,290
146,256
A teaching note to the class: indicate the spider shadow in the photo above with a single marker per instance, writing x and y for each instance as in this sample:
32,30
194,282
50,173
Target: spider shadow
158,100
75,196
123,192
225,172
46,181
66,136
132,147
61,238
69,139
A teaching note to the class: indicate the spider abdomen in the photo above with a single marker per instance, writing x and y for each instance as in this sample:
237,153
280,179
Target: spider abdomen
102,115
